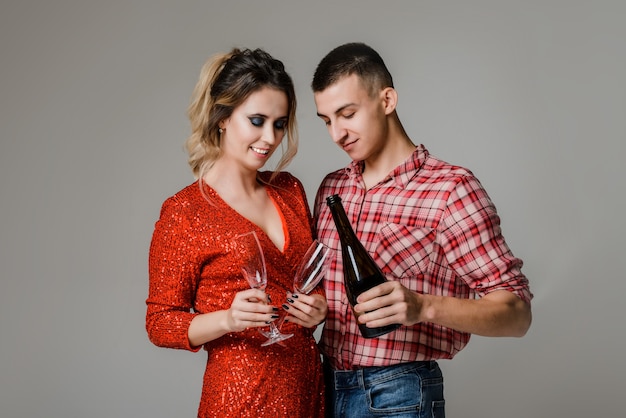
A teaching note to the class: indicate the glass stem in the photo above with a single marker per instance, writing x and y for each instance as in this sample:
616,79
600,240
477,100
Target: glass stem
277,325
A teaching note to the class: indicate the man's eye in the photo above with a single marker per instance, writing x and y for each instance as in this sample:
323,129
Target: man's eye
256,121
280,124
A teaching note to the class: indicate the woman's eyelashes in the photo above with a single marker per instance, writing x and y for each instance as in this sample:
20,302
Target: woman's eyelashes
280,124
259,121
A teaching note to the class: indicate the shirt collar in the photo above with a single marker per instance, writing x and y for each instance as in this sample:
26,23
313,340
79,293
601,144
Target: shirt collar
401,175
354,170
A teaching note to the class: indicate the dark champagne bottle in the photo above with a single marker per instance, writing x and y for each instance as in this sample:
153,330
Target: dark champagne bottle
360,271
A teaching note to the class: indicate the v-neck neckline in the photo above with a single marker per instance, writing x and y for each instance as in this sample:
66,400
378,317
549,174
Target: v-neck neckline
272,195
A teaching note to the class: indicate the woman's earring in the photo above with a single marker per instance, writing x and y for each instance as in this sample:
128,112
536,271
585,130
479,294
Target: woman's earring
220,130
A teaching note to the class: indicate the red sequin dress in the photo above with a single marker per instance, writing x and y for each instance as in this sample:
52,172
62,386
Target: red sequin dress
192,271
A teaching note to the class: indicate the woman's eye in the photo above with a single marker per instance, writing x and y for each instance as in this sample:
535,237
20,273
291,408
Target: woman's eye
280,124
256,121
348,116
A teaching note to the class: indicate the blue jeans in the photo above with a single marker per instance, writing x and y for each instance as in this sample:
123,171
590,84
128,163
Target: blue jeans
408,390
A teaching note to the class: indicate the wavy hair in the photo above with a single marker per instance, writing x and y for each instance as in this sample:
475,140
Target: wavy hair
226,81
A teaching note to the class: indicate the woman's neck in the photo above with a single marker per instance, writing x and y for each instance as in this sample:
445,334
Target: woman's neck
228,180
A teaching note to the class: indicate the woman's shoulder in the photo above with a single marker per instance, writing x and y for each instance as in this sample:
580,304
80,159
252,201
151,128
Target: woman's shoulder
188,196
188,192
289,188
280,179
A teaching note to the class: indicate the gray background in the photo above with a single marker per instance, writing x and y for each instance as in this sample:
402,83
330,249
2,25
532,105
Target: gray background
530,95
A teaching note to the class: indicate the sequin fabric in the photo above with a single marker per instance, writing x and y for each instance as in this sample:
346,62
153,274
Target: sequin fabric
193,270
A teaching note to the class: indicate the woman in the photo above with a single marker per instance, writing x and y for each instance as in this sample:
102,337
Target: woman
242,106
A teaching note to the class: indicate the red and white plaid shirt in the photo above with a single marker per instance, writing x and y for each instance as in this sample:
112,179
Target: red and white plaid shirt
429,225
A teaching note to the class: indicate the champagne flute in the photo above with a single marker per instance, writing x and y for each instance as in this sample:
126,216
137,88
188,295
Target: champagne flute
310,272
253,264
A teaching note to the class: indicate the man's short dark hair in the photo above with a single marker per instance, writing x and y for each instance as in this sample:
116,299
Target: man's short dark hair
352,58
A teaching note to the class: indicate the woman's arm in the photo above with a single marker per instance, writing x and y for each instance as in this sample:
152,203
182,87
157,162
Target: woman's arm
246,311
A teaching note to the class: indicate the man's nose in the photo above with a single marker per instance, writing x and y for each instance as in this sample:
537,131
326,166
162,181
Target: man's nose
337,132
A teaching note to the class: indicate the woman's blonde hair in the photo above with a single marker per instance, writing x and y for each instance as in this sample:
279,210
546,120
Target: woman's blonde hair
225,82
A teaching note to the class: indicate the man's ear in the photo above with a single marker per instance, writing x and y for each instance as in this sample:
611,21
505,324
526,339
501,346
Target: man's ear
389,99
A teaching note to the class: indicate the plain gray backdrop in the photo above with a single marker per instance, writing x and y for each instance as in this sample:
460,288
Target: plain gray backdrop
530,95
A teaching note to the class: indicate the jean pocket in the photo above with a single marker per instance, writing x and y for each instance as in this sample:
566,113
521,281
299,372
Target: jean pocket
400,395
439,409
416,392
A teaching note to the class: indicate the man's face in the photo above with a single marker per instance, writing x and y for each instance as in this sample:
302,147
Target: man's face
356,121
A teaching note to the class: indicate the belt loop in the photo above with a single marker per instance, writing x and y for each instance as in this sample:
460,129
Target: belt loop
361,378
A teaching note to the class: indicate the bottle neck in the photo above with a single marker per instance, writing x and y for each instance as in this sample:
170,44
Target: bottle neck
341,219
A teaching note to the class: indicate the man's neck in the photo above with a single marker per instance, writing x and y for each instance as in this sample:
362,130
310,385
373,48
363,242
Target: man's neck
396,150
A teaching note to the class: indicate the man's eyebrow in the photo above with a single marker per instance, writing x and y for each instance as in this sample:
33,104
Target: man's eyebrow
339,110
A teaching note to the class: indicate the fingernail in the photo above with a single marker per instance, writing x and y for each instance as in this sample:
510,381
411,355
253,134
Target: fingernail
269,299
285,306
289,300
275,309
268,322
294,296
274,316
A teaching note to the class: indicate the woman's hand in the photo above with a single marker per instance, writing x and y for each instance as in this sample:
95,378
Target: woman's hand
306,310
249,309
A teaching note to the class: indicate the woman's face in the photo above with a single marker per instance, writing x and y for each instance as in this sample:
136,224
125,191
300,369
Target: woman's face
255,128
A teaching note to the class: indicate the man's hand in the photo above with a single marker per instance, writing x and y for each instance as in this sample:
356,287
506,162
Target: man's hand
496,314
389,303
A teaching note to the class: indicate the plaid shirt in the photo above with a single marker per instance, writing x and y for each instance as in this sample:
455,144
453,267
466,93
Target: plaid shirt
429,225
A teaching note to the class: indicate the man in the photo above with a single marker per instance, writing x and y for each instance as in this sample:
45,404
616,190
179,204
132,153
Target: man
434,232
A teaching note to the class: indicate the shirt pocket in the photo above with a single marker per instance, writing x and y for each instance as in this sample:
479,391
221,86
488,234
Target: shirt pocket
404,252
